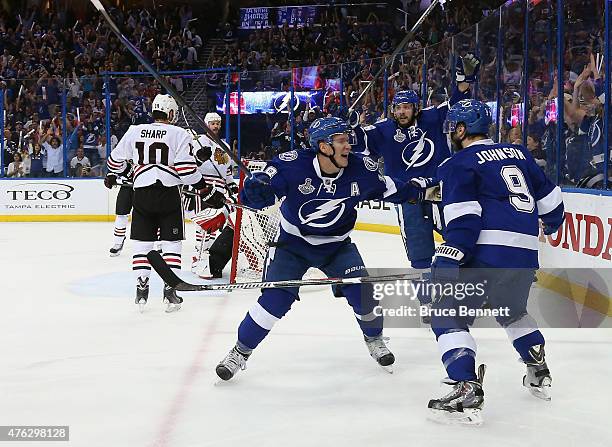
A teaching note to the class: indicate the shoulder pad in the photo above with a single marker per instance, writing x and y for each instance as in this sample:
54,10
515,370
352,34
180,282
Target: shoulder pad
288,156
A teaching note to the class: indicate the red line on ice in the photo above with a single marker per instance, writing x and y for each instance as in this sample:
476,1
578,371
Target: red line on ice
177,405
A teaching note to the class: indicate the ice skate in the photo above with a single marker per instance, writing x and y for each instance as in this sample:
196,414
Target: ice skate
463,404
142,293
233,362
116,249
171,299
538,380
379,352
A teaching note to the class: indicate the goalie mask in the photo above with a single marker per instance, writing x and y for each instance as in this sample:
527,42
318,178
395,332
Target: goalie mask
166,104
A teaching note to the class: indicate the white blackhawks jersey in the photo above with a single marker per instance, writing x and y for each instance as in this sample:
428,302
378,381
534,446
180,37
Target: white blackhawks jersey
160,152
218,169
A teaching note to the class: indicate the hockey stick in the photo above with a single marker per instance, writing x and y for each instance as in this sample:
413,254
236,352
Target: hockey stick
171,91
170,278
391,58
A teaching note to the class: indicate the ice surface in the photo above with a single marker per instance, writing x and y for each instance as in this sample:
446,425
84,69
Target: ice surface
75,351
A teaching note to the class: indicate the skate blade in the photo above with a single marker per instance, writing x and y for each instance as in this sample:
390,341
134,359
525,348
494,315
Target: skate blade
388,369
469,416
114,255
543,391
172,308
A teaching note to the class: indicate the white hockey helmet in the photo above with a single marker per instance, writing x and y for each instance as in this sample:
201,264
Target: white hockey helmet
211,117
166,103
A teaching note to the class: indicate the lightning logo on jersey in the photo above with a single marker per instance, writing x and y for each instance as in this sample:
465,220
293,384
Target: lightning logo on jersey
325,213
418,152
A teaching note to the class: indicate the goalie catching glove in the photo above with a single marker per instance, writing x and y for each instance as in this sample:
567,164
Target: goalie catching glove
467,68
210,219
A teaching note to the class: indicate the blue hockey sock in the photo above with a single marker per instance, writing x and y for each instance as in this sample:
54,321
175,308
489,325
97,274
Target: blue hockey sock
460,364
522,344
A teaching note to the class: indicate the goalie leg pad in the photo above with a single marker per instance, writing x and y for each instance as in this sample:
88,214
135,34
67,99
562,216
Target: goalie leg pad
211,219
221,251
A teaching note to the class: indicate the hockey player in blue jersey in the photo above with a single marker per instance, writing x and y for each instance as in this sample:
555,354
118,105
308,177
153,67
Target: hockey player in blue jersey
321,188
493,197
413,146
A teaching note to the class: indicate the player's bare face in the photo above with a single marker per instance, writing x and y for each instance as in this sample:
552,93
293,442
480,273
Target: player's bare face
404,114
342,148
215,126
457,137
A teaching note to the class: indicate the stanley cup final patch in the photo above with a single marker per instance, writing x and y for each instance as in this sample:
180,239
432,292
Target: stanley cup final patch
306,187
399,136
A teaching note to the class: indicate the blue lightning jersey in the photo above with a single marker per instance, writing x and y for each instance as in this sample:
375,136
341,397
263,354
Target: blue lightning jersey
320,209
493,195
414,151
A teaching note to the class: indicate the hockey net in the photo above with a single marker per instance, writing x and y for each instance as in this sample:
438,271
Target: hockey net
253,235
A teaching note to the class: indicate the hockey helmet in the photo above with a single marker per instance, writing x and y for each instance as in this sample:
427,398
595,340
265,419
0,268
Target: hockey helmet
212,117
475,115
166,103
324,129
405,97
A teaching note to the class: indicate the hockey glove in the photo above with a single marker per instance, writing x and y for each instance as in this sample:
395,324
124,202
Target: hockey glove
550,228
210,219
414,193
232,188
445,266
257,192
203,154
467,68
212,197
424,182
430,187
110,181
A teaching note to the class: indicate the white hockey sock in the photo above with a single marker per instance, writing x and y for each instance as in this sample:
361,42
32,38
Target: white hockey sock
172,253
120,229
140,263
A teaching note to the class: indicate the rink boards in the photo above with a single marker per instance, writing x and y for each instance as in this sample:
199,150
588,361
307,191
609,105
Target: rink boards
581,248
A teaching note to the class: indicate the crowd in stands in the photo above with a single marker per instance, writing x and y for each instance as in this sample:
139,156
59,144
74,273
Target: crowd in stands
44,53
50,61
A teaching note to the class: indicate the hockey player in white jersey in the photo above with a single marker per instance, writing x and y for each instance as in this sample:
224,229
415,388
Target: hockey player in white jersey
213,250
163,158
